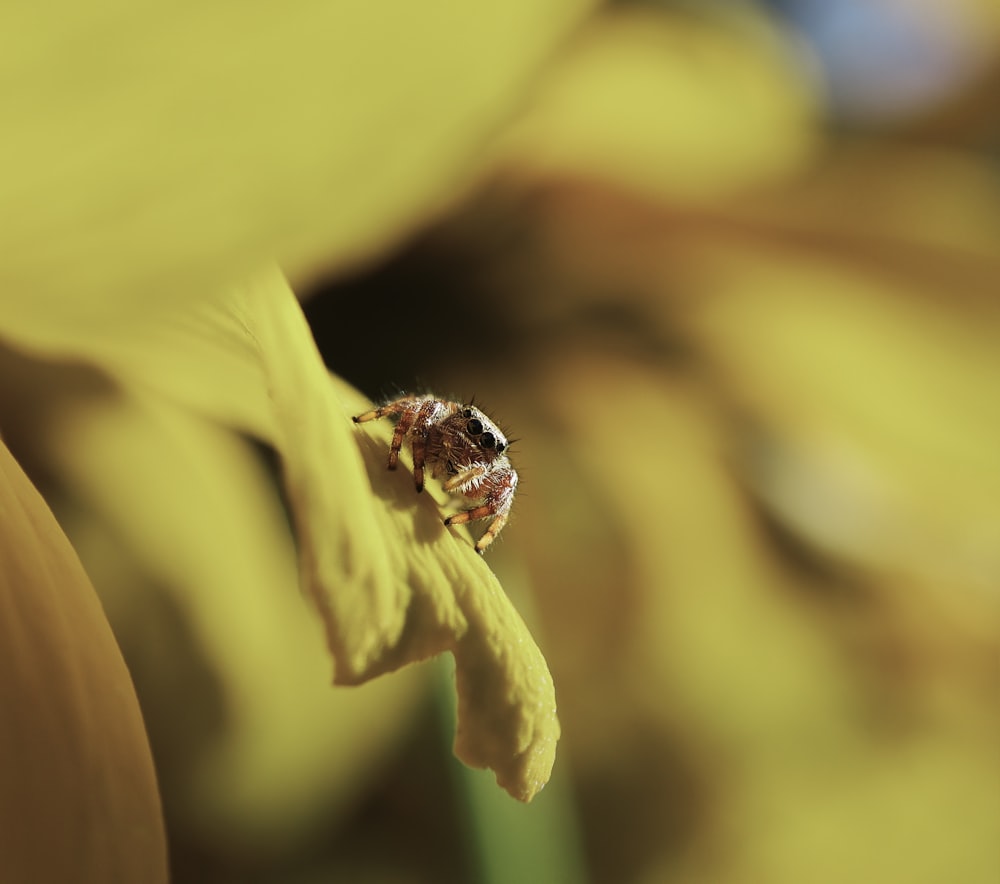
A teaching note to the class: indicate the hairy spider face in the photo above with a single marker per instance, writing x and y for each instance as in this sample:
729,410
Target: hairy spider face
469,437
462,443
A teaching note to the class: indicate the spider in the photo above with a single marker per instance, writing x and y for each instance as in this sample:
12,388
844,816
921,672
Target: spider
462,443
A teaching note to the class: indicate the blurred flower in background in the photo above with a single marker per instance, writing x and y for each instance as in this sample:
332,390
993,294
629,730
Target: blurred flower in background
752,361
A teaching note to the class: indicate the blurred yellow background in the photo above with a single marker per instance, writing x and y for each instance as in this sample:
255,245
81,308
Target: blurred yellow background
729,275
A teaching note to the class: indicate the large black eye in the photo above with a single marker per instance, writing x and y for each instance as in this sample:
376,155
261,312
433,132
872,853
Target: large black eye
488,440
467,412
474,427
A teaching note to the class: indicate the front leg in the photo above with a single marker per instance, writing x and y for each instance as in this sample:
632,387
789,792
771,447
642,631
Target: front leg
490,534
407,408
498,487
481,512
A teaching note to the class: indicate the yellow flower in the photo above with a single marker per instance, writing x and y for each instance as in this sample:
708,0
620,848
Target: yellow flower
155,166
753,363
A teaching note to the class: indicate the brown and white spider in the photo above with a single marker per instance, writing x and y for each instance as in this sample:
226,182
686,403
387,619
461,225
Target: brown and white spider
462,443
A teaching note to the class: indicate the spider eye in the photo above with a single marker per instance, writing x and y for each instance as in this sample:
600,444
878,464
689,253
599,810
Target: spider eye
467,412
501,447
488,440
474,427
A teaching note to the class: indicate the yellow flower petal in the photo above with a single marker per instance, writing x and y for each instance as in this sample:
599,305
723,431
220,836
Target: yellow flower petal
392,583
506,702
78,800
668,107
151,154
316,136
206,538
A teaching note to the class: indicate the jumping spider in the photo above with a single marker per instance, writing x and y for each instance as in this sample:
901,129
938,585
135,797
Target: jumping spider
462,443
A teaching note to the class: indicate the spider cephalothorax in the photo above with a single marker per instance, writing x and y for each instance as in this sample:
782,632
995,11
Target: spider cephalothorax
462,446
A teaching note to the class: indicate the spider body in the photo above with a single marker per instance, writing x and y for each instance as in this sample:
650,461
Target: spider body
462,446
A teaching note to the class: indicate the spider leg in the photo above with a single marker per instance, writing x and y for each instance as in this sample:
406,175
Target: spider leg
419,448
407,415
481,512
406,420
500,484
397,406
422,421
496,526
